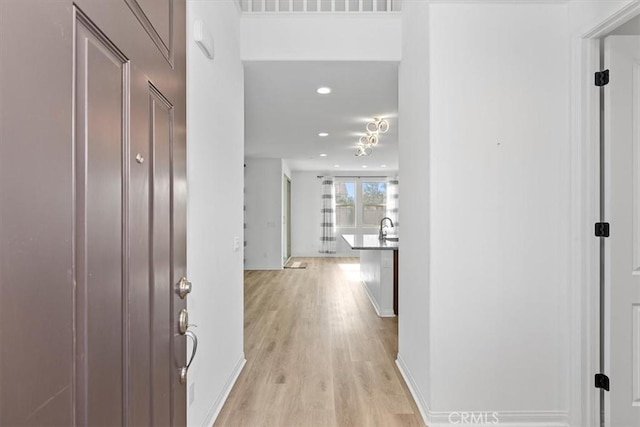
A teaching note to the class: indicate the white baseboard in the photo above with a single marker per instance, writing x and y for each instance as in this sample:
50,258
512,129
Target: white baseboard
247,268
222,397
379,312
418,397
497,418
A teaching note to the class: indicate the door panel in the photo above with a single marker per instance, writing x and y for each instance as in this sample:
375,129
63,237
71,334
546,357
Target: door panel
36,220
159,13
161,118
622,114
151,289
140,213
100,110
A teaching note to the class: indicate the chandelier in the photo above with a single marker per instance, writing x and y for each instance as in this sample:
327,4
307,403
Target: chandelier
367,142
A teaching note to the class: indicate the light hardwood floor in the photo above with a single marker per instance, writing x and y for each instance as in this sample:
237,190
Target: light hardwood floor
317,353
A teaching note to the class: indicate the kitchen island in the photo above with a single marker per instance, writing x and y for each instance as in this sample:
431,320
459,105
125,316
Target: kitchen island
378,270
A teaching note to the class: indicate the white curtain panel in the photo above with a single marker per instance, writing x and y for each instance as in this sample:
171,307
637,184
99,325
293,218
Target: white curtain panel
393,201
328,215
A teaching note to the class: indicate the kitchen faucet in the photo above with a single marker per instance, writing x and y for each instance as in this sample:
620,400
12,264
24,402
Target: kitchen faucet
383,233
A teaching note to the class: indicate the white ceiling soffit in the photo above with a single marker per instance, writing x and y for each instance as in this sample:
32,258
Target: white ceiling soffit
284,113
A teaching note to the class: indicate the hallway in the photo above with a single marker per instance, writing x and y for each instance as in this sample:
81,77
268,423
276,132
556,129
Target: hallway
317,354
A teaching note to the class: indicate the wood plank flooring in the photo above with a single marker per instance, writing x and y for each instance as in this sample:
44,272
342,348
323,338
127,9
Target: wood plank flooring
317,353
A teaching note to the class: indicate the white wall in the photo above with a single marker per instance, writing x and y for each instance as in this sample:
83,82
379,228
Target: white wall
414,327
498,149
215,120
498,295
321,36
263,201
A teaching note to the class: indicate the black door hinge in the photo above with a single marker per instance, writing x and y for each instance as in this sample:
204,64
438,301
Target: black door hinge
602,229
602,78
602,381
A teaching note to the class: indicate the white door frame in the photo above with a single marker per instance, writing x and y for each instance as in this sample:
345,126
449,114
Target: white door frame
585,207
286,220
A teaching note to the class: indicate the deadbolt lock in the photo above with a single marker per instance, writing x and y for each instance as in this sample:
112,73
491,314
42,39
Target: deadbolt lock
184,287
183,321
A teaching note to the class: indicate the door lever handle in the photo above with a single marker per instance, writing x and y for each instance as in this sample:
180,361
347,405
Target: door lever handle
194,349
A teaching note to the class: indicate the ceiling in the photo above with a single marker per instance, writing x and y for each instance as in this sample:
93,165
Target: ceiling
284,113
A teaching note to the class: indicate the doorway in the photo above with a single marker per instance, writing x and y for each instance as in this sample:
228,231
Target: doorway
611,349
286,219
620,250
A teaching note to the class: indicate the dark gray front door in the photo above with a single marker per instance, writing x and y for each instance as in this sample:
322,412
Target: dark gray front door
92,213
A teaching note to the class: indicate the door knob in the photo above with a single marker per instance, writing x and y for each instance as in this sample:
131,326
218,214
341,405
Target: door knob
183,321
185,369
184,287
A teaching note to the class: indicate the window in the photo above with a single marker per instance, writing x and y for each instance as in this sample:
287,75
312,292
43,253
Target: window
345,204
374,203
359,203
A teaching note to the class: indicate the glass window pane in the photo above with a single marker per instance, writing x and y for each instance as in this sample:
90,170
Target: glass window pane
345,204
374,203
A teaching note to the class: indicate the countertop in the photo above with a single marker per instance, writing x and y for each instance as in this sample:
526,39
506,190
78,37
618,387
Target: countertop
369,242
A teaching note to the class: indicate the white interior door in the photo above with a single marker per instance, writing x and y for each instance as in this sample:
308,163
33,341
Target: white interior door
622,312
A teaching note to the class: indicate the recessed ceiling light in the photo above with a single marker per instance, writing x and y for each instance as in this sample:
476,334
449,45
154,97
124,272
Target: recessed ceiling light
336,166
323,155
324,90
364,166
323,134
383,166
